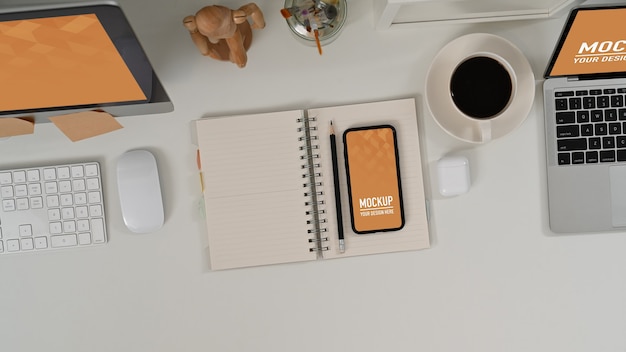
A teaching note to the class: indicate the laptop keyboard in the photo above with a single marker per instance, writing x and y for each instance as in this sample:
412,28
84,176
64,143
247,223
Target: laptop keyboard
591,126
51,207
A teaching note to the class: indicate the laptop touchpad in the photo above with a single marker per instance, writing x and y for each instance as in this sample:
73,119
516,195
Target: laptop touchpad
617,175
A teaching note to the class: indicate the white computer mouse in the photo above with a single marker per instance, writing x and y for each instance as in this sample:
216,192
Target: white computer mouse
140,191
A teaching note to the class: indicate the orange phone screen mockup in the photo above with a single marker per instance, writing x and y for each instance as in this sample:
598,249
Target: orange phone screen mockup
61,61
372,166
594,42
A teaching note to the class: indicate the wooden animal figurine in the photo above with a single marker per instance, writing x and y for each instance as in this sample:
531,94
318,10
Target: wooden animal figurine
225,34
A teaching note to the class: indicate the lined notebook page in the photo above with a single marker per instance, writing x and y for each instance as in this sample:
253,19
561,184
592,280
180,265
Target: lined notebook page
400,114
254,193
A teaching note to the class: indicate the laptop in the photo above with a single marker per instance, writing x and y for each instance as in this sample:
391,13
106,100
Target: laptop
585,107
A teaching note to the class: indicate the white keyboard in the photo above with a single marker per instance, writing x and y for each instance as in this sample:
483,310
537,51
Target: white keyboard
51,207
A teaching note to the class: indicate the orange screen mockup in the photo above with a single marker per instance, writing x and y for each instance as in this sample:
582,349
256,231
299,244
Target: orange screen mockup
374,179
61,61
595,43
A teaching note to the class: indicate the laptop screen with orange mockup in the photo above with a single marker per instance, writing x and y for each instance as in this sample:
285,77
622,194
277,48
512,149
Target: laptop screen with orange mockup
593,42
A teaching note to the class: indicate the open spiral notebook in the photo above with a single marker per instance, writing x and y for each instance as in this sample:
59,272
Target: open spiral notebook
268,185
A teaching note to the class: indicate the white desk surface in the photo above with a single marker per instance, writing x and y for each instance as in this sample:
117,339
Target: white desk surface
495,278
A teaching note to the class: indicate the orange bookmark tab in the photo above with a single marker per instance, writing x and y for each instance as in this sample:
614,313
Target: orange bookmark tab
16,126
82,125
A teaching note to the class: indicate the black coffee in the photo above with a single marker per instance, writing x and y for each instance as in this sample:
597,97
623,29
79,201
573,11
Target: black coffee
481,87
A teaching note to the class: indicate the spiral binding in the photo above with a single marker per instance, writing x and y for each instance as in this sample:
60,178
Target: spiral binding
314,194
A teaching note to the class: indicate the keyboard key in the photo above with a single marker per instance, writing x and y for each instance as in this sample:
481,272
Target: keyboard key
32,175
82,212
617,101
41,242
78,171
560,104
27,244
568,131
592,157
22,204
572,144
607,156
21,190
621,155
91,170
13,245
582,116
63,172
56,228
82,226
97,230
595,143
53,201
8,205
92,184
609,91
84,238
608,142
589,103
597,116
565,117
6,191
603,102
66,200
79,185
94,197
620,141
80,198
6,178
564,158
67,213
63,241
95,210
49,174
34,189
581,92
578,158
19,177
615,128
568,93
51,187
65,186
26,230
36,203
69,226
575,103
54,214
601,129
610,115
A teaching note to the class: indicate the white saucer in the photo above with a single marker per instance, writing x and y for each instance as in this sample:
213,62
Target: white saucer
439,99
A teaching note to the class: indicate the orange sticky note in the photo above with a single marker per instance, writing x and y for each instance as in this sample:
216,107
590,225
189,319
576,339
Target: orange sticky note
15,126
82,125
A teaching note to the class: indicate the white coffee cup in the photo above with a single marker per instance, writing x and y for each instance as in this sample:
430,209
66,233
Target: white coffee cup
480,87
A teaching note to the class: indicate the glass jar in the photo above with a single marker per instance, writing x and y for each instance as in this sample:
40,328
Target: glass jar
308,18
